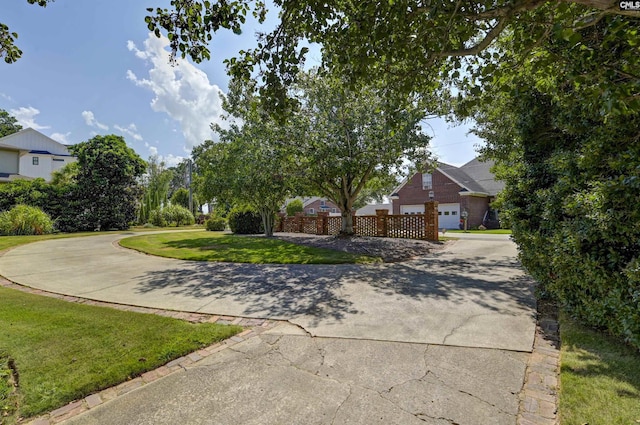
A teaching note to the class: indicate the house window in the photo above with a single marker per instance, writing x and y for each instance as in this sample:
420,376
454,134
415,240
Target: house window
427,181
35,160
312,211
322,203
446,213
333,210
454,212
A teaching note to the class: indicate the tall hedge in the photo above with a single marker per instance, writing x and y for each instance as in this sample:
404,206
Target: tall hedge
573,199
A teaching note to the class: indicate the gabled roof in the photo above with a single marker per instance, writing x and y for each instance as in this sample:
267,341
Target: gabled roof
473,177
480,172
29,139
461,178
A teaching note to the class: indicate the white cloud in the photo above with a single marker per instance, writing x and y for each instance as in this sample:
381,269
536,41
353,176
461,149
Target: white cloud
91,121
26,117
182,91
6,96
62,138
130,130
169,160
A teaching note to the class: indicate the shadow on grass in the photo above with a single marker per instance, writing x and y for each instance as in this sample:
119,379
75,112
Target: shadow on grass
253,249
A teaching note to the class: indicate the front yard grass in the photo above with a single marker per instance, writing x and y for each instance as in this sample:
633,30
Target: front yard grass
65,351
482,232
600,378
209,246
7,242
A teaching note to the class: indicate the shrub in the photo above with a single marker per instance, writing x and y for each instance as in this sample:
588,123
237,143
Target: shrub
157,218
25,220
177,214
245,221
215,224
294,207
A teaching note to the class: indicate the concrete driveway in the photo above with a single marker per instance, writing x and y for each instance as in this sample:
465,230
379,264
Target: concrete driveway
441,339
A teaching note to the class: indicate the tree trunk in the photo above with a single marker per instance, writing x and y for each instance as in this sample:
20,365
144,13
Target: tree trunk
346,228
268,221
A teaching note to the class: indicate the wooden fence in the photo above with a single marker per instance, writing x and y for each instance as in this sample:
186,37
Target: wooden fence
383,224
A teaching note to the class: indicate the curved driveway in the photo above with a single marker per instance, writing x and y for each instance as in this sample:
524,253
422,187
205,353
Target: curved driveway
473,293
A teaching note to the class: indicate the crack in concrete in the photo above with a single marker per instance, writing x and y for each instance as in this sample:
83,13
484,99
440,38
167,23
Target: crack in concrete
335,414
464,322
470,395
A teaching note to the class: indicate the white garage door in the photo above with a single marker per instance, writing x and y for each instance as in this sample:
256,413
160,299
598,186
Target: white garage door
448,214
412,209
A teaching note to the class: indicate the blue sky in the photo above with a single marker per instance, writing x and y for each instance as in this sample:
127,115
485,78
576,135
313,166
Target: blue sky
91,67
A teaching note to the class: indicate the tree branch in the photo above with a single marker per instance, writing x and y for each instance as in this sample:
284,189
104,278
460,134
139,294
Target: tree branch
483,44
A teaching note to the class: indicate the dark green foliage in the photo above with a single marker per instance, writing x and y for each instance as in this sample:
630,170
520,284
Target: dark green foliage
107,188
25,220
215,224
294,207
572,172
245,221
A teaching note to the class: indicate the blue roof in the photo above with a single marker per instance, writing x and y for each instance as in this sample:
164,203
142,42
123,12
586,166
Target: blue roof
41,152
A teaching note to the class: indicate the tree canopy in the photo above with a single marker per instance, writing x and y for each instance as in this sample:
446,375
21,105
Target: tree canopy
107,183
342,139
248,166
412,44
8,124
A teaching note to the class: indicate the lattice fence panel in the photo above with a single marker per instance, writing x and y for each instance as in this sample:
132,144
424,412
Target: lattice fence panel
310,225
290,225
365,225
334,225
408,226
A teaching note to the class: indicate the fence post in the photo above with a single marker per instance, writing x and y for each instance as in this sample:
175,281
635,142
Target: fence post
431,220
299,223
381,223
322,223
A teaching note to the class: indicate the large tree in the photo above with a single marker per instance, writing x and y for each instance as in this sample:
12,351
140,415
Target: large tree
249,165
107,183
8,124
343,139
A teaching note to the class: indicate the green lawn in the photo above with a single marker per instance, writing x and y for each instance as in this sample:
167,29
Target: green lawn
600,378
211,246
12,241
483,232
65,351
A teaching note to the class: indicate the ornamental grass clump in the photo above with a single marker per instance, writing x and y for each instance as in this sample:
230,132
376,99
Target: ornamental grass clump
25,220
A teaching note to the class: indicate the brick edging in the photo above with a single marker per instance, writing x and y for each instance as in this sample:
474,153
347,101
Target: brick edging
253,327
539,395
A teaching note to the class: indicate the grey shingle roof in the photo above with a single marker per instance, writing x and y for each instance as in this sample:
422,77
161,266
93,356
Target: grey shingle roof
480,172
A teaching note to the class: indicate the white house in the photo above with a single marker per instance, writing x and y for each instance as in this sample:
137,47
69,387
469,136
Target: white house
29,154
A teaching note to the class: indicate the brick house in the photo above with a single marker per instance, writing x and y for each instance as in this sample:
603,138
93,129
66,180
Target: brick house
470,188
314,204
